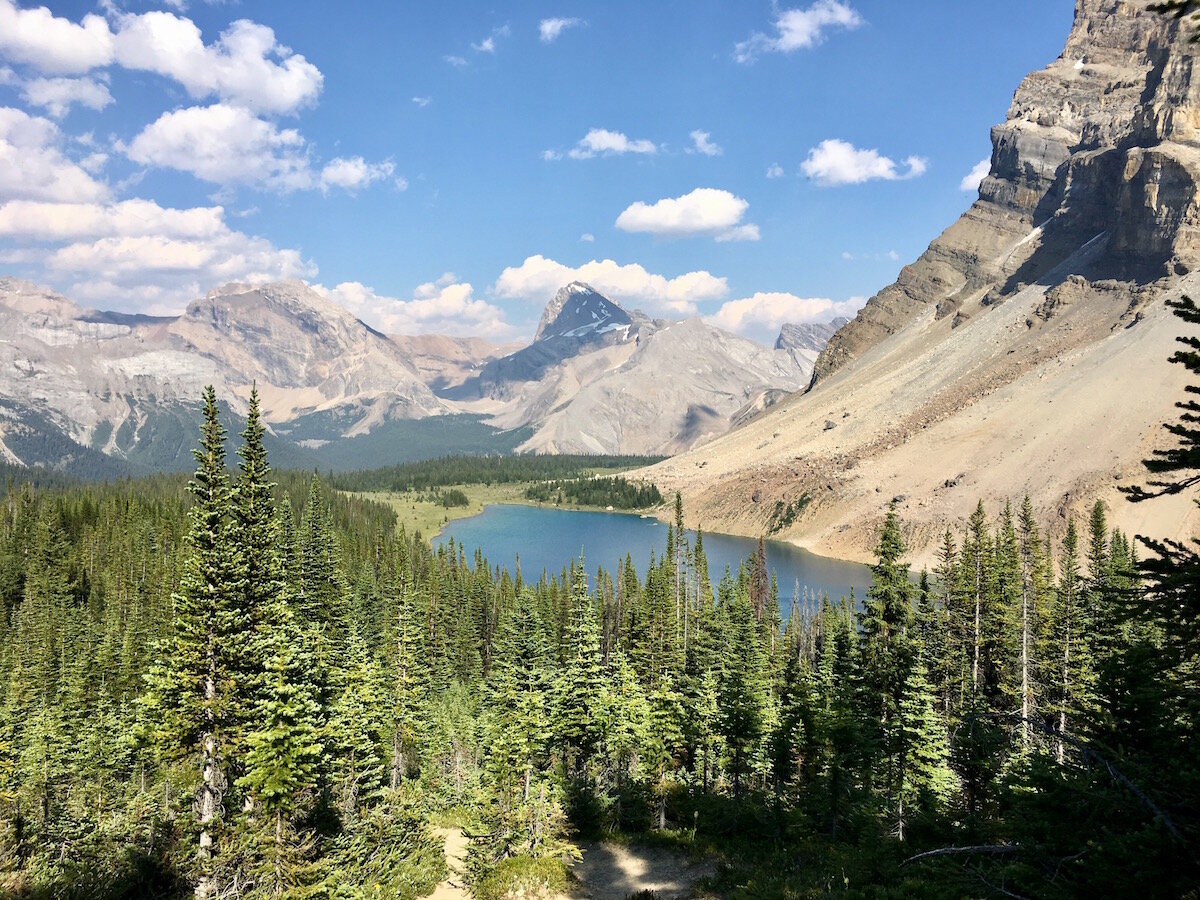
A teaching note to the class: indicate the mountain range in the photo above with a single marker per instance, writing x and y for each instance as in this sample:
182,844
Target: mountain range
102,393
1025,352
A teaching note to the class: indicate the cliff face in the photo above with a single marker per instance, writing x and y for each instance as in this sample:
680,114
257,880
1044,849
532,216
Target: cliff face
1025,352
1103,144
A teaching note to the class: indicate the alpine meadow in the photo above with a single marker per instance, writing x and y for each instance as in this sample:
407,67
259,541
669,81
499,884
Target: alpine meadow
250,646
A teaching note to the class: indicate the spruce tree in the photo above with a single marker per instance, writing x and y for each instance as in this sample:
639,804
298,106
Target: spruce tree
743,690
282,754
579,682
190,698
887,658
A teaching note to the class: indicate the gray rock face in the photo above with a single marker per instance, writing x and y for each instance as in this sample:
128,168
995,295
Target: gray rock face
576,321
127,386
808,335
685,383
1102,145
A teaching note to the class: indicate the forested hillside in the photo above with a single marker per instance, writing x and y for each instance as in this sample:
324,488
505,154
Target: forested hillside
258,690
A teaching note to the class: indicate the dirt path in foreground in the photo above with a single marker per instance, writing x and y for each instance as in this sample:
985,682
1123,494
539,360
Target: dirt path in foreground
456,855
606,872
614,871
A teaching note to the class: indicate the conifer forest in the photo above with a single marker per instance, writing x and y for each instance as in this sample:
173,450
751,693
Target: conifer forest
255,686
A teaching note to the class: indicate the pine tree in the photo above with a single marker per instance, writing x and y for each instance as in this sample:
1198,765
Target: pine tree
887,657
409,710
579,683
283,753
926,781
1033,589
1068,654
190,689
355,731
743,690
254,530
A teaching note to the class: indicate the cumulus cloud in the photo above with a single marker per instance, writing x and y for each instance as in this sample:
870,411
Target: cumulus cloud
602,142
225,145
799,29
58,95
702,144
245,65
768,311
587,237
704,211
135,253
422,102
775,171
458,61
444,306
32,220
550,29
355,173
50,43
34,167
537,279
835,162
974,178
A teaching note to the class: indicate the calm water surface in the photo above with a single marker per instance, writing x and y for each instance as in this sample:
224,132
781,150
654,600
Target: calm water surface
546,539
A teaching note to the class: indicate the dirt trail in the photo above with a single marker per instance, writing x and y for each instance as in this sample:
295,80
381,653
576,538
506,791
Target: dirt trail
456,855
606,872
614,871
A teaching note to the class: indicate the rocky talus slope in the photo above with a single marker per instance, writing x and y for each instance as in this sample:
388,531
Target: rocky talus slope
1025,351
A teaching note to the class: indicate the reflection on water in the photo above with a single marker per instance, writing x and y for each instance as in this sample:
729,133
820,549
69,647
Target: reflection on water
546,539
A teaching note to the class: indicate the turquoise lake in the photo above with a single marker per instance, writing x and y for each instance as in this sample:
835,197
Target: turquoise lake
547,539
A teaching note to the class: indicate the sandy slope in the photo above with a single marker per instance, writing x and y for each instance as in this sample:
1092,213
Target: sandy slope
1003,405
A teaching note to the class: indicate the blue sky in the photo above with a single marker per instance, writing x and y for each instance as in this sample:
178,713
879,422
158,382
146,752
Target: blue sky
444,166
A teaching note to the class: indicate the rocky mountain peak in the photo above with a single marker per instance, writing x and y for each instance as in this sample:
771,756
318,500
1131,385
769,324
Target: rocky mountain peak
578,310
807,335
1095,172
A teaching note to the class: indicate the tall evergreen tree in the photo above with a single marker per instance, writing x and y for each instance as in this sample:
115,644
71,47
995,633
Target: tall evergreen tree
191,689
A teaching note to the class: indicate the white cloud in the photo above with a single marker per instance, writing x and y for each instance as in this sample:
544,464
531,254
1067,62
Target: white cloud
835,162
538,278
704,211
769,311
354,173
775,171
488,44
550,29
455,60
799,29
138,254
975,177
37,221
702,144
50,43
57,95
587,237
748,232
444,306
602,142
34,167
551,155
893,256
401,183
422,101
226,145
245,65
